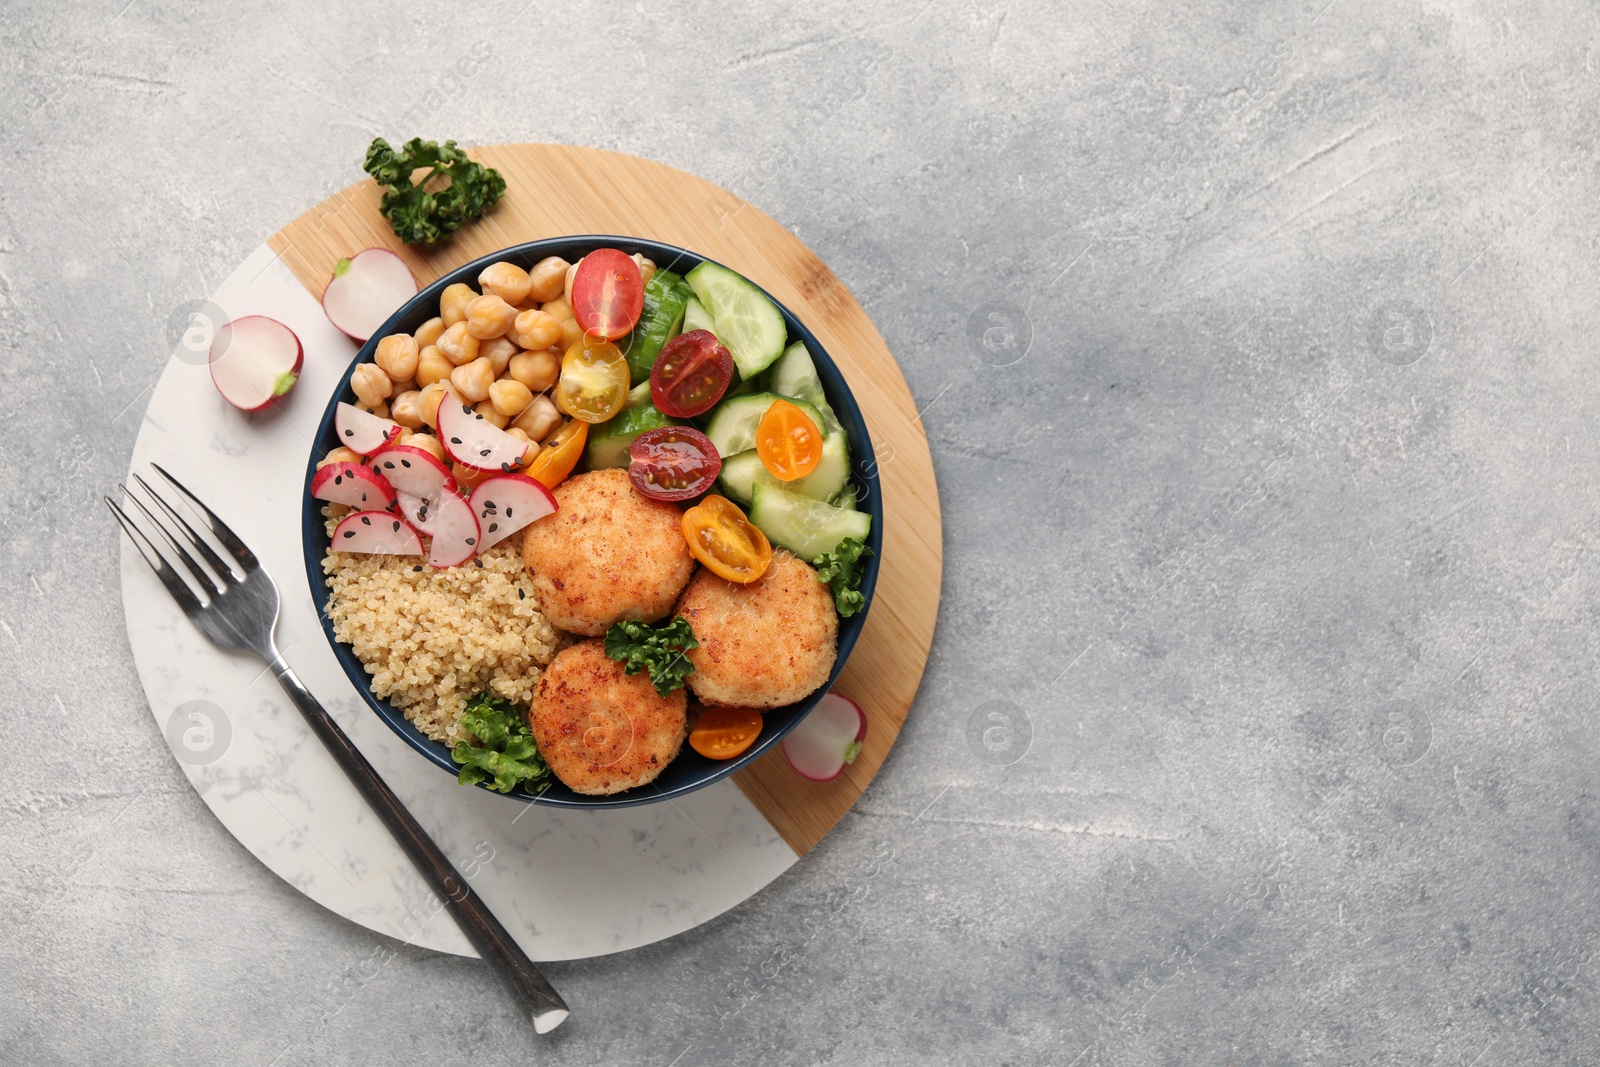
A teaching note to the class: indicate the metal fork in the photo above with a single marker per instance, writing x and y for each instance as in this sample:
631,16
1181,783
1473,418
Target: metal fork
239,612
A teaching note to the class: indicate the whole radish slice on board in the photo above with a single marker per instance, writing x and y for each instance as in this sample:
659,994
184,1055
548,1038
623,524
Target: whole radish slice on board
255,360
365,290
826,739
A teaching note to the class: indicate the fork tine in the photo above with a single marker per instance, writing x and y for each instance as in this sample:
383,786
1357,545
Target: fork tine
196,571
224,572
175,585
229,539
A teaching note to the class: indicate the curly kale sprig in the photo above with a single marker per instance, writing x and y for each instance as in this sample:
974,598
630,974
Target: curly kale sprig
841,569
659,650
420,215
505,751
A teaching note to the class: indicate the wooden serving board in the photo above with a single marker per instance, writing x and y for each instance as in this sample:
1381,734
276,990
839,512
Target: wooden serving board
556,190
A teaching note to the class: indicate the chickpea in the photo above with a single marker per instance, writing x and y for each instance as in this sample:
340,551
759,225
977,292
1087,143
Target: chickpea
372,386
507,281
499,352
536,370
458,345
468,478
406,409
572,272
428,333
533,446
453,303
407,386
397,356
540,418
536,329
571,333
429,399
647,267
489,316
381,409
425,441
472,380
432,366
486,409
547,279
343,455
510,397
558,308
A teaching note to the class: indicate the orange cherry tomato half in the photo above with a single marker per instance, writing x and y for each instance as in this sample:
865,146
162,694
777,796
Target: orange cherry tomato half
594,380
725,541
690,374
560,454
723,733
788,442
607,293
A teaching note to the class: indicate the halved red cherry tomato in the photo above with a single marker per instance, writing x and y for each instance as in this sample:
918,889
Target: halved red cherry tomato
725,541
788,443
594,380
560,454
723,733
690,374
607,293
673,463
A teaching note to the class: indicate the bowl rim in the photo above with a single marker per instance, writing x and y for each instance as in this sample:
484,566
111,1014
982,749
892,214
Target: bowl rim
864,475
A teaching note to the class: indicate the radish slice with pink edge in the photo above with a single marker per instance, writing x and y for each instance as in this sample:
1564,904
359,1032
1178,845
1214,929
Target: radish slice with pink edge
255,360
506,503
455,531
473,441
376,533
419,510
826,739
365,290
411,470
354,484
362,431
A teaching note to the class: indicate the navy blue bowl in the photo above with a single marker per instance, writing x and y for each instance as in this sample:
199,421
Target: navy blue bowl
690,771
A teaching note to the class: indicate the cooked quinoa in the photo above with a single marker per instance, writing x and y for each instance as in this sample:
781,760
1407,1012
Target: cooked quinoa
433,639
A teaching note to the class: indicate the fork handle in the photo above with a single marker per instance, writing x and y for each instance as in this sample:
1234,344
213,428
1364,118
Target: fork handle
543,1004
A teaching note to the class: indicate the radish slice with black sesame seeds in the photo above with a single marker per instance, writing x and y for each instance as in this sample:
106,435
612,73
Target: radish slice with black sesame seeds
354,484
506,503
455,531
362,431
827,739
254,360
376,533
419,510
365,290
473,441
411,470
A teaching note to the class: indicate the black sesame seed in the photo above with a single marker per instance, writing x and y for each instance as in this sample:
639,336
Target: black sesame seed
521,595
483,451
365,521
388,464
396,527
406,463
455,440
472,540
506,467
338,479
349,433
493,526
479,562
417,568
349,533
508,513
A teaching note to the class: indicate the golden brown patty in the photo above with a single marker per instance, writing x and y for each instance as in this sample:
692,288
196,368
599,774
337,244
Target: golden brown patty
607,554
601,730
762,645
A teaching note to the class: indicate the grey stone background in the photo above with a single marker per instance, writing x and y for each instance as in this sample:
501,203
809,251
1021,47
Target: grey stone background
1254,342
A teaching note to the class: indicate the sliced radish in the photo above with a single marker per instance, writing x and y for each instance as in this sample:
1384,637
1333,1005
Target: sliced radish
506,503
826,739
355,484
473,441
376,532
255,360
455,531
365,290
362,431
419,511
411,470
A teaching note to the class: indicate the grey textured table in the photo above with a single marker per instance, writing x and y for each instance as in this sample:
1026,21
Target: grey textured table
1254,343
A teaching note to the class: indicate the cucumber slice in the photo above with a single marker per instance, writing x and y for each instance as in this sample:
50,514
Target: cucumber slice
846,500
743,472
665,300
732,427
795,375
747,322
610,440
806,527
696,317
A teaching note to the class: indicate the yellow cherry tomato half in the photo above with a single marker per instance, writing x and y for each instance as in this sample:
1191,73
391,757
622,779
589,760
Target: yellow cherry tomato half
725,541
723,733
788,442
560,454
594,380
